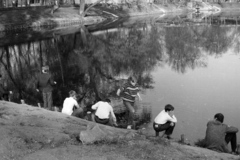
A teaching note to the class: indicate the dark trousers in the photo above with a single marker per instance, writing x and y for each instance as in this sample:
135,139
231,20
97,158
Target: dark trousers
130,111
232,138
163,127
101,121
47,100
5,97
78,113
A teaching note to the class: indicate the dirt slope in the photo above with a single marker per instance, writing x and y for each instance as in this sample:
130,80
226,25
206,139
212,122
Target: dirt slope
31,133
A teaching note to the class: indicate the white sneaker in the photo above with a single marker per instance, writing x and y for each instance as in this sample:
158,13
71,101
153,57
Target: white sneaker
129,127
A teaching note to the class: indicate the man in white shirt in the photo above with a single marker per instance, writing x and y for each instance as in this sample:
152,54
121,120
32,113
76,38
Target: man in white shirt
165,121
104,113
71,107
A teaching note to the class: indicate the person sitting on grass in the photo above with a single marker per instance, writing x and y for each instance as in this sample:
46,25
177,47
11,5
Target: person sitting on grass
218,135
165,121
71,107
104,113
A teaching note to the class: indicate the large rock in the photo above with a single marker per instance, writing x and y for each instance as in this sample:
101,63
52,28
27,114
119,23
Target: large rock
97,133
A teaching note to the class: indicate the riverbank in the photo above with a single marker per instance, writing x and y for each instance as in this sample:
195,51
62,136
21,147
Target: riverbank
25,18
38,17
29,132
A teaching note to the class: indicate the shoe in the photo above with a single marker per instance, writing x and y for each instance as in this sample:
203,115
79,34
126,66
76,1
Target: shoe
234,153
164,136
129,127
169,137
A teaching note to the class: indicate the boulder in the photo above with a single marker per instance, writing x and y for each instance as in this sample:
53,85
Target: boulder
97,133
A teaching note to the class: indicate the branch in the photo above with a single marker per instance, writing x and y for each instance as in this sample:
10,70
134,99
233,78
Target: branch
84,13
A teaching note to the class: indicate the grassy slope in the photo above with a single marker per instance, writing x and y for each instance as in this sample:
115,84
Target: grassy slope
29,133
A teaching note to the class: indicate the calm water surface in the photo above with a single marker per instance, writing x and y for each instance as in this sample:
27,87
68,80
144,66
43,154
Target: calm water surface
199,94
193,67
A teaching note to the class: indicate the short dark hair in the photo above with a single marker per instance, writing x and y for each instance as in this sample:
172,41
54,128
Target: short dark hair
219,117
169,107
0,76
132,79
72,93
45,68
108,100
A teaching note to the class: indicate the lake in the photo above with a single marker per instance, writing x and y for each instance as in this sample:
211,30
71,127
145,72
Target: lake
192,65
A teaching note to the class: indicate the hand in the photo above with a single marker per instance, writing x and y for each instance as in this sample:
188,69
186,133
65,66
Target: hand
55,82
171,124
10,92
37,90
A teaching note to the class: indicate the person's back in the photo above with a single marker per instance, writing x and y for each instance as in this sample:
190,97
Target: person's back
68,105
71,106
218,135
104,113
215,136
103,110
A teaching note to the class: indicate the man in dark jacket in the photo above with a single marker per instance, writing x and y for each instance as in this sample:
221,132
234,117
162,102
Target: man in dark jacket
45,83
218,135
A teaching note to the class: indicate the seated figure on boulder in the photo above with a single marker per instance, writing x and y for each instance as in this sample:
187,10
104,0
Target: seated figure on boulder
165,121
218,135
71,107
104,113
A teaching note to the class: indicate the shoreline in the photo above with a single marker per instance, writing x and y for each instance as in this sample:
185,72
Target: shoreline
25,18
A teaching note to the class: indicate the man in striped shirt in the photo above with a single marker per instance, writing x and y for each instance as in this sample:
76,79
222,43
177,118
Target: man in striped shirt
128,93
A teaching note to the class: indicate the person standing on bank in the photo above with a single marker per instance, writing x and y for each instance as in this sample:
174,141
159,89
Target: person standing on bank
44,83
4,94
218,135
71,107
104,113
128,93
165,121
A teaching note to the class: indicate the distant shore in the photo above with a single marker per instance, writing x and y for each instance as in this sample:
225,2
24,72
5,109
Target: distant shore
24,18
17,19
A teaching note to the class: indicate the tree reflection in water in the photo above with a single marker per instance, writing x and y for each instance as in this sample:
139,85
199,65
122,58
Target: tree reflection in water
90,64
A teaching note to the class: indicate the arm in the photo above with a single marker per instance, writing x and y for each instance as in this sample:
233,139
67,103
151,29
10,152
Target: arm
172,119
37,84
113,116
52,82
95,106
118,92
76,104
139,96
231,129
